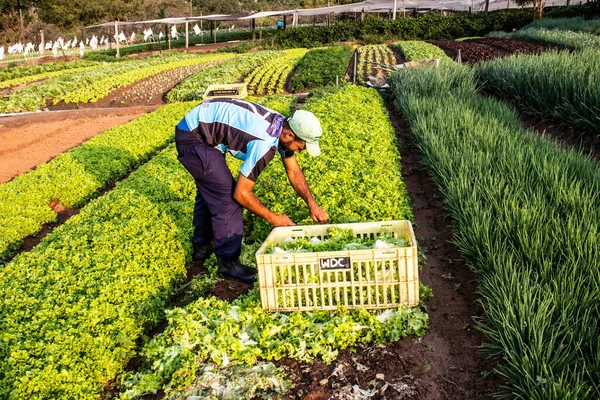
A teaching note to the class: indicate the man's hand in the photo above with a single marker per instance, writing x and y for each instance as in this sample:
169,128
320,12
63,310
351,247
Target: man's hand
318,214
282,220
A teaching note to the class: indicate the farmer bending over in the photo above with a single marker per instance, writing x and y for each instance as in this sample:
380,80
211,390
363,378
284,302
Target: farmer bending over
254,134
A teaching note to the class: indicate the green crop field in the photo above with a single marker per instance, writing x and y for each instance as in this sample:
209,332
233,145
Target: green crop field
104,300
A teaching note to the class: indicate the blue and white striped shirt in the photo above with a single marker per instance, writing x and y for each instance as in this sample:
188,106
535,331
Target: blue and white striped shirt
248,131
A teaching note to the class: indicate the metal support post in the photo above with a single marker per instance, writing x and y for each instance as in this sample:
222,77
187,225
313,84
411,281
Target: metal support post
117,37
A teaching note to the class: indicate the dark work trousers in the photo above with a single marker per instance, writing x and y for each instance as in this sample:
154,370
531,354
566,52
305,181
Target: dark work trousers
216,214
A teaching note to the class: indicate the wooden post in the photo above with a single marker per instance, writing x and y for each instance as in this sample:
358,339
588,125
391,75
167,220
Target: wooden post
42,44
117,37
187,34
284,22
21,31
169,36
354,71
395,7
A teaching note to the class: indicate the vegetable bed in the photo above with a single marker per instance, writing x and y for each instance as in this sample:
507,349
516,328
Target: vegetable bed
214,332
469,52
511,46
526,216
79,174
556,37
230,71
74,307
560,86
92,84
321,67
271,78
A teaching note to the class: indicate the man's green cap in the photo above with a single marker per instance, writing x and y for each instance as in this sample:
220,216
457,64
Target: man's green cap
308,128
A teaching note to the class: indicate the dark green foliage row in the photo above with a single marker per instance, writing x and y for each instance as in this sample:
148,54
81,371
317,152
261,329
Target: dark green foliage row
526,215
423,28
561,86
320,67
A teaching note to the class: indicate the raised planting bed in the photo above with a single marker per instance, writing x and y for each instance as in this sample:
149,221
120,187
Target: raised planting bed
370,54
560,86
511,46
356,178
526,217
555,37
469,52
271,78
227,72
93,84
321,67
74,177
416,50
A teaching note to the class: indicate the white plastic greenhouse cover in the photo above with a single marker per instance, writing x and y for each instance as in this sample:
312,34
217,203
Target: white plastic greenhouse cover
365,6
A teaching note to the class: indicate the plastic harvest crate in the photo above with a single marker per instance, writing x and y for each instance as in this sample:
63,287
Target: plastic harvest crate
232,90
371,279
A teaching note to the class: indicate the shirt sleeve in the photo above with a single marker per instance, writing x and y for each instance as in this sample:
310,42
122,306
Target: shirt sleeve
259,154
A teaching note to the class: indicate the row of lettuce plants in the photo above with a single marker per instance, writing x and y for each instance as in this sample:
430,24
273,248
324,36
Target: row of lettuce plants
89,85
415,50
526,216
80,173
230,71
369,54
321,67
561,86
42,76
22,71
271,78
102,87
74,307
356,178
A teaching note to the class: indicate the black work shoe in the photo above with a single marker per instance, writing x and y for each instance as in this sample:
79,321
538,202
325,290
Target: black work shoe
202,252
236,270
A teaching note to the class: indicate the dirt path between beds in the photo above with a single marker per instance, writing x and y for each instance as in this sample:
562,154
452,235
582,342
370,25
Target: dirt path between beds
32,139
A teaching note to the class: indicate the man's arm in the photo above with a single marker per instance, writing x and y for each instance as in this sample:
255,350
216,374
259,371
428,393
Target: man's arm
244,195
298,182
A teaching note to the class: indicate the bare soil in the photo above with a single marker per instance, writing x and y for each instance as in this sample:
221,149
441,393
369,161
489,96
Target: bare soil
31,139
